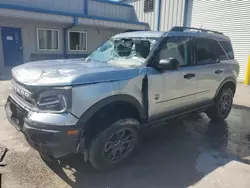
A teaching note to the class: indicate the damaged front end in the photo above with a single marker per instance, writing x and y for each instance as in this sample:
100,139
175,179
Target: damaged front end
42,114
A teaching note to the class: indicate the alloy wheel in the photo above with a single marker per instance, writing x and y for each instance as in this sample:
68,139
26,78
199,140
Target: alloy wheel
119,145
225,103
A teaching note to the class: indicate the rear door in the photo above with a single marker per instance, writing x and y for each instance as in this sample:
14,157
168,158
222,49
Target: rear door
208,68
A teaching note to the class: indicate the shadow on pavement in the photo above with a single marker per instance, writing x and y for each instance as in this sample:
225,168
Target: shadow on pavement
5,75
177,155
241,107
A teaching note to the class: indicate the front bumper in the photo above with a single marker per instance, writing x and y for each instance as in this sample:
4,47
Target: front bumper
47,133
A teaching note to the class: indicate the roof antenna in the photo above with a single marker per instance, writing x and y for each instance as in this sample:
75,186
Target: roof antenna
199,29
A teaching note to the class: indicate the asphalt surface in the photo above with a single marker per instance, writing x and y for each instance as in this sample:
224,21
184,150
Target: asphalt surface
177,154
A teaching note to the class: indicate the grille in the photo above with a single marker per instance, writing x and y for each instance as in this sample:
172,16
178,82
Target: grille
17,110
22,93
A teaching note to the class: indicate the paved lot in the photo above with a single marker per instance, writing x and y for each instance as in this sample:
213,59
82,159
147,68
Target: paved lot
188,152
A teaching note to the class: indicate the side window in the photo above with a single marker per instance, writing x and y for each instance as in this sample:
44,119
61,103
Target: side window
208,51
47,39
218,52
178,48
228,49
77,41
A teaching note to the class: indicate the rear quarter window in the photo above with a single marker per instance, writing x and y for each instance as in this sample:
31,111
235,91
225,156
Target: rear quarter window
208,51
228,48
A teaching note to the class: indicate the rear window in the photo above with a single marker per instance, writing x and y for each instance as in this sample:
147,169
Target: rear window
208,51
228,48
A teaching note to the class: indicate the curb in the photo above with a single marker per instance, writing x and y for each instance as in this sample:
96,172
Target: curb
245,160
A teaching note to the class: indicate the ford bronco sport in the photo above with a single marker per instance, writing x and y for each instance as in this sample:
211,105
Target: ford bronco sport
99,106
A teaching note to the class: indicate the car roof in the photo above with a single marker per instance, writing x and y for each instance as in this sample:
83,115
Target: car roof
214,36
157,34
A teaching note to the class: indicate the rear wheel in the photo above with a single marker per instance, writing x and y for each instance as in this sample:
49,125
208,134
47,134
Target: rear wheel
114,144
222,107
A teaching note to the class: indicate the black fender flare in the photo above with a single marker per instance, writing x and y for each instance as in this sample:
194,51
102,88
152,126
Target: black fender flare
82,143
229,79
86,116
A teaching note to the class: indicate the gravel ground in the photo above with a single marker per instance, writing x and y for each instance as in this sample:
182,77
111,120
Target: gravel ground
179,154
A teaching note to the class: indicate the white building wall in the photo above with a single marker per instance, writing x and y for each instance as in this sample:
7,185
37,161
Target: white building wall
149,17
230,17
109,10
171,13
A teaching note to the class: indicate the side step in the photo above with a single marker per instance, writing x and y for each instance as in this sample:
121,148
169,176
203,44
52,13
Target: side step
178,115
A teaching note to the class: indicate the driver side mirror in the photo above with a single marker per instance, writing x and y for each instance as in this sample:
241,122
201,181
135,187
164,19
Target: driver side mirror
168,64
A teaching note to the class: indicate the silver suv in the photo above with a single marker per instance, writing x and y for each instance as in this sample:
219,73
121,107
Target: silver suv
99,106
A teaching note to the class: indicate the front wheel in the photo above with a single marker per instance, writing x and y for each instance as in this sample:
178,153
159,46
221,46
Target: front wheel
222,107
114,144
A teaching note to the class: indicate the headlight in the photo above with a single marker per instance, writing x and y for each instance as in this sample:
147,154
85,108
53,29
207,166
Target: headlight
57,101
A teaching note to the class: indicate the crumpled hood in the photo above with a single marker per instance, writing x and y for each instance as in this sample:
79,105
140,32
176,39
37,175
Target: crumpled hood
70,72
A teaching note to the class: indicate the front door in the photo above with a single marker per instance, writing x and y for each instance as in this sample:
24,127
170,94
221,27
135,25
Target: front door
12,46
172,91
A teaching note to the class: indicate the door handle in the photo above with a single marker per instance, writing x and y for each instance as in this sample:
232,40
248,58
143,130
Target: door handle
189,76
219,71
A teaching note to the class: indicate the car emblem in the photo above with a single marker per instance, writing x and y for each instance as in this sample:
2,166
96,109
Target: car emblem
21,92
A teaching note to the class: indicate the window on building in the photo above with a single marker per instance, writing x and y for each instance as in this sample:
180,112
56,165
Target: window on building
228,49
48,39
148,5
177,48
208,51
77,41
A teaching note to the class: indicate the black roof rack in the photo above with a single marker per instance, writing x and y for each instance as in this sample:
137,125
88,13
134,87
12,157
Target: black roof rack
133,30
181,29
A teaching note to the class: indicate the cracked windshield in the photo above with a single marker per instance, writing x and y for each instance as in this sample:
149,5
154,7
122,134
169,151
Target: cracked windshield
124,51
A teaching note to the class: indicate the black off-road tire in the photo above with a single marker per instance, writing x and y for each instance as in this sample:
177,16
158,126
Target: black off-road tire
215,112
97,146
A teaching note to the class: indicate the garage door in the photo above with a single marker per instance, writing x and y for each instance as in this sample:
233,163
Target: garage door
230,17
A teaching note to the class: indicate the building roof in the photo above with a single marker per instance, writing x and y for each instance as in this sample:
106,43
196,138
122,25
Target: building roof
20,11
